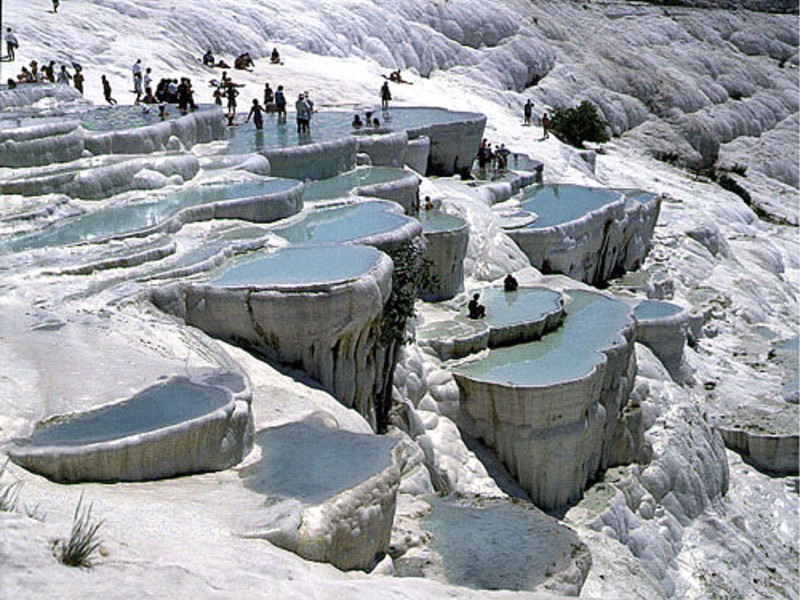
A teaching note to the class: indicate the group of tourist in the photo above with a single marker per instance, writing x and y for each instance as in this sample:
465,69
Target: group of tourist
495,159
367,121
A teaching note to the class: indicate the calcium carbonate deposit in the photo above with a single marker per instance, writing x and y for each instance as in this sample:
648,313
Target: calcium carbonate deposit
402,339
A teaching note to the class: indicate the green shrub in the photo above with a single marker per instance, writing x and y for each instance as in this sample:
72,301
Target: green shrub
579,124
82,542
9,492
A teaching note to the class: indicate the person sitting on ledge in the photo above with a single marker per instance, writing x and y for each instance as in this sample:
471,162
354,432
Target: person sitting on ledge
428,203
510,283
275,57
357,122
476,309
376,122
25,76
208,59
244,62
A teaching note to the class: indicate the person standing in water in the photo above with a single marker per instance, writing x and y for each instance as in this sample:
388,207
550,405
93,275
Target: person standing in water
303,115
280,103
231,94
63,76
269,95
107,90
257,114
77,79
136,70
386,95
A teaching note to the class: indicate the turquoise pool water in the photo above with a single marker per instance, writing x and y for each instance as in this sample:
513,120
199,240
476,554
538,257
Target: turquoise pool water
137,216
330,125
342,185
655,309
558,204
114,118
154,408
434,221
525,305
300,265
344,223
494,544
312,463
592,324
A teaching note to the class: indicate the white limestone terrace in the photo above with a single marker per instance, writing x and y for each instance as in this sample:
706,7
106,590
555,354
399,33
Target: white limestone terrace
689,110
497,544
362,181
370,222
319,504
260,301
173,428
388,183
446,239
686,537
453,137
108,178
262,200
109,130
663,327
511,318
589,234
552,409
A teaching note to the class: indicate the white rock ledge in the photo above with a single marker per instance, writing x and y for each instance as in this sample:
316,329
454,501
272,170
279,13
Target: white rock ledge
404,191
327,327
773,453
97,183
553,434
601,244
202,126
452,145
331,493
214,435
446,240
665,332
41,144
313,161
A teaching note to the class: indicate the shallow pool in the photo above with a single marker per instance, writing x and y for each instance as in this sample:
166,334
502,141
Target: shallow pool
655,309
497,544
114,118
434,221
137,216
312,463
345,223
300,265
558,204
331,125
154,408
526,305
593,323
342,185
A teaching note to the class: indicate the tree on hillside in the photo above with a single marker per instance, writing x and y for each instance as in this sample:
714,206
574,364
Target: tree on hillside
579,124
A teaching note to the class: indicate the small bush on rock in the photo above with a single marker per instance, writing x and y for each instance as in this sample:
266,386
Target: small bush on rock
82,542
9,492
579,124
